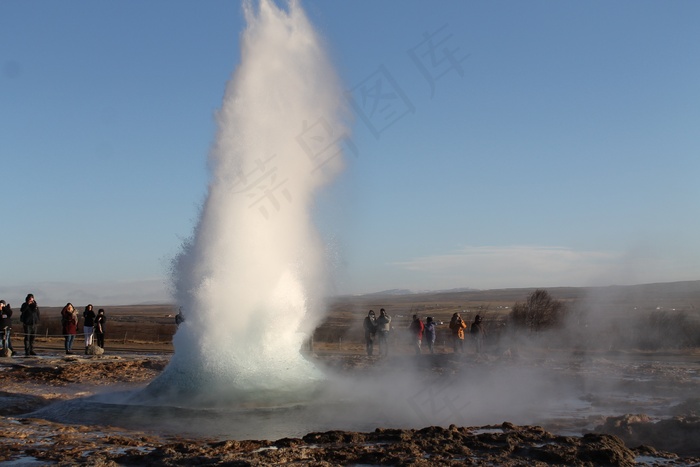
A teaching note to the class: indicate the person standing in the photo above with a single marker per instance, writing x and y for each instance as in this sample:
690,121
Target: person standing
88,326
179,317
416,328
430,333
383,328
457,326
6,327
478,332
100,327
30,317
370,325
69,325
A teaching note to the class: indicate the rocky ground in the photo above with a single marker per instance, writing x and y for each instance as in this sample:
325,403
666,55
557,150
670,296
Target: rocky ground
31,383
506,445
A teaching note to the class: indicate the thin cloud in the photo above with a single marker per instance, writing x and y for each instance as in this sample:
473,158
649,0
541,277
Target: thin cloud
516,266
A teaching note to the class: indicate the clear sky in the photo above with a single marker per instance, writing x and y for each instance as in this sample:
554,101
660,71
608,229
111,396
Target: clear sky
495,144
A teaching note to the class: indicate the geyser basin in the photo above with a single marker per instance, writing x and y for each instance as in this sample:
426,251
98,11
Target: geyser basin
250,278
564,394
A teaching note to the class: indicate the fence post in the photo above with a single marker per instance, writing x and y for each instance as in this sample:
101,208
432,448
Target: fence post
124,337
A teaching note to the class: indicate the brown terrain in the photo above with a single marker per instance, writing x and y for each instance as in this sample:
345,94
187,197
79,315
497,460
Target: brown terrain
139,346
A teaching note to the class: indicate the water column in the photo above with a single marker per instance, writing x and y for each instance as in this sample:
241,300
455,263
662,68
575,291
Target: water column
250,277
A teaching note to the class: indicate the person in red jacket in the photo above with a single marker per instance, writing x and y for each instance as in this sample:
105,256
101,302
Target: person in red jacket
416,327
69,325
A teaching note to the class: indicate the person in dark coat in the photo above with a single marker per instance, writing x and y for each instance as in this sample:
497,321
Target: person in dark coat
478,333
6,326
416,328
179,317
30,317
370,325
88,326
100,320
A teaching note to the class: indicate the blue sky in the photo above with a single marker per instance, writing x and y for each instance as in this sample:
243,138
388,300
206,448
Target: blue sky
558,147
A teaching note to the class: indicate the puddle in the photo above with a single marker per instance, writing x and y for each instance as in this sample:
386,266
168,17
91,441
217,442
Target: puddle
659,461
25,461
483,431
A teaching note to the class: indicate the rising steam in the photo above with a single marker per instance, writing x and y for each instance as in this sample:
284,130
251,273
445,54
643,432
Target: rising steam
249,278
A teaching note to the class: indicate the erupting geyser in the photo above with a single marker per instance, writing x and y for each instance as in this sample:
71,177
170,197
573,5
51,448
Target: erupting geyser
250,277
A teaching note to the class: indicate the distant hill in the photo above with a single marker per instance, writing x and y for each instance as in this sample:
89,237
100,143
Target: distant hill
688,291
392,292
388,292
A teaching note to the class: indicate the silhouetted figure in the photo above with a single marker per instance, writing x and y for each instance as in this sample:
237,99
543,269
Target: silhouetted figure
6,327
30,317
100,320
478,332
430,333
88,326
457,326
416,328
370,325
179,317
383,329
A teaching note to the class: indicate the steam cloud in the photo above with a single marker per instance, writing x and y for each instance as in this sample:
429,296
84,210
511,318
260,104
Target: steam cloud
250,278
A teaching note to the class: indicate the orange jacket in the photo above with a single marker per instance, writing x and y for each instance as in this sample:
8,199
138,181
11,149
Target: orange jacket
458,326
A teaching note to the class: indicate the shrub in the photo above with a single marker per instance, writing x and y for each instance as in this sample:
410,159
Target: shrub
539,312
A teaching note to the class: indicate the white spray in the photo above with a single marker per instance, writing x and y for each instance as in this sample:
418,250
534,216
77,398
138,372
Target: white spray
249,278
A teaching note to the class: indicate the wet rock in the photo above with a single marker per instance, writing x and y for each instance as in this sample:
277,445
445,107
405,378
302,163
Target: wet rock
430,446
334,437
605,450
626,423
507,426
689,407
679,435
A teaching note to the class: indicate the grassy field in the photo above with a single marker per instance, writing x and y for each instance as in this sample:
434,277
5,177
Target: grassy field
342,327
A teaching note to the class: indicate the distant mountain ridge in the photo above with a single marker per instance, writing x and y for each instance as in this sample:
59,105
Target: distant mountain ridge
689,289
414,292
